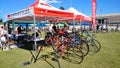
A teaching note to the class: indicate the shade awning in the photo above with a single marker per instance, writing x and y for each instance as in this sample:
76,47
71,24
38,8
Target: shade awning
42,11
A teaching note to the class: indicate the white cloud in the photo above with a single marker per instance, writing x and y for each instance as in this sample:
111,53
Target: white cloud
52,1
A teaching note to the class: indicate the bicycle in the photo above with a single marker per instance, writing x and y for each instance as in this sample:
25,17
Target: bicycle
92,42
64,45
81,44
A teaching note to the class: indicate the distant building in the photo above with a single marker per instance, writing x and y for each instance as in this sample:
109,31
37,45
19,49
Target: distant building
112,20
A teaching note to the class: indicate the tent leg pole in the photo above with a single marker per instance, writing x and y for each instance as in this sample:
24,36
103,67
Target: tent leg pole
37,54
35,43
55,54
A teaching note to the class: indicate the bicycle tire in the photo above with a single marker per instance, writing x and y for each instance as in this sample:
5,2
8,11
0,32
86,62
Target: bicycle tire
82,47
96,44
72,57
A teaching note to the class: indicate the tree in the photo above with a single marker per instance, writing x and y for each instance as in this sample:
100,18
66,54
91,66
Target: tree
62,8
1,21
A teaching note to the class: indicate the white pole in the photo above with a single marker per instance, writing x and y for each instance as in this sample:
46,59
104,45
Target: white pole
7,34
35,44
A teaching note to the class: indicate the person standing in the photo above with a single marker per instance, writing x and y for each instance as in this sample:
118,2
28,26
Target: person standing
116,28
65,28
54,28
97,27
3,31
16,30
3,37
19,29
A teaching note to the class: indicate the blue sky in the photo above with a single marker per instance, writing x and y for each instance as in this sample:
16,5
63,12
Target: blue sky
84,6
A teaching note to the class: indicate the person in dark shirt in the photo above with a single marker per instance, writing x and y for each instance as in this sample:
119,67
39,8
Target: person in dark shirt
97,27
54,28
19,29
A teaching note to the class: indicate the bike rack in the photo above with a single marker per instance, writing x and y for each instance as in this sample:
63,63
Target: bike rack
37,52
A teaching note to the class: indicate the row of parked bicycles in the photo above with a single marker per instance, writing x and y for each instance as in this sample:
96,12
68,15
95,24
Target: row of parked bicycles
73,46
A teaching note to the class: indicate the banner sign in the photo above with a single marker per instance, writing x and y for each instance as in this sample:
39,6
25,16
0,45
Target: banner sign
47,12
22,13
94,14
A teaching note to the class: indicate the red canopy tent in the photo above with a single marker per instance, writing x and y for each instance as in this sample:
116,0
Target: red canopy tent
42,11
39,11
78,16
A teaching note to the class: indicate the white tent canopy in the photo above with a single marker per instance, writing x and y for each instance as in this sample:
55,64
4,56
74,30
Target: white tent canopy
73,10
41,10
78,15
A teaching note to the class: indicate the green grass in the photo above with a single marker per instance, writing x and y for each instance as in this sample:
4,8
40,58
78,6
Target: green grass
107,57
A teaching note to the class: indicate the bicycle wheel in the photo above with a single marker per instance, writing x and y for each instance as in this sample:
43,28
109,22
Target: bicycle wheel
95,45
82,47
70,56
77,51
